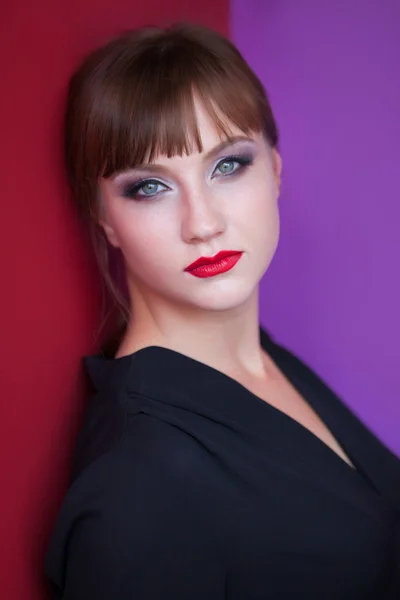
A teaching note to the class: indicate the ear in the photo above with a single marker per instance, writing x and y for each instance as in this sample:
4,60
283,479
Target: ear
102,217
277,167
110,233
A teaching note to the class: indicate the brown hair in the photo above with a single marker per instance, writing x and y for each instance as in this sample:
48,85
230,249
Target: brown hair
132,99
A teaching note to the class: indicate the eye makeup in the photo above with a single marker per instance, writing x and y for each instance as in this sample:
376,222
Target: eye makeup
243,160
132,189
147,188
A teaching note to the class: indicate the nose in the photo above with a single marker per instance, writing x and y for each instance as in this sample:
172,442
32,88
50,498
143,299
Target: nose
202,219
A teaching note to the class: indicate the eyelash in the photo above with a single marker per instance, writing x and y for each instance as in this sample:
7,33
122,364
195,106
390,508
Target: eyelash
132,189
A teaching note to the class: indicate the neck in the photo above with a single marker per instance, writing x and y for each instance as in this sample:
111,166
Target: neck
227,341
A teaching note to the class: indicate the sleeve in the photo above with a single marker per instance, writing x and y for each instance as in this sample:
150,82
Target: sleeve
142,539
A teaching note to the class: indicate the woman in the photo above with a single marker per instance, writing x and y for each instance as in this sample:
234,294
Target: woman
213,463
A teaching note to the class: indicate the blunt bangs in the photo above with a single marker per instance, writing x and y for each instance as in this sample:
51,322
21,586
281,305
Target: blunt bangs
134,99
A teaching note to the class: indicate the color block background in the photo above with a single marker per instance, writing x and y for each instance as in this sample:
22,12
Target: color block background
50,300
332,293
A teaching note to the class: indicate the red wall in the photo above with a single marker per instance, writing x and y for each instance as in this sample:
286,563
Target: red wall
50,295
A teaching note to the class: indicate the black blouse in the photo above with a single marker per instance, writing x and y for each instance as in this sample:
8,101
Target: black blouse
188,486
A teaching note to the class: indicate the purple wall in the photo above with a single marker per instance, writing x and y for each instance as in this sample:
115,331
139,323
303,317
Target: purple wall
332,293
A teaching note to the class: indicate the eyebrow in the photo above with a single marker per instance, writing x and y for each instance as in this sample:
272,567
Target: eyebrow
225,143
207,156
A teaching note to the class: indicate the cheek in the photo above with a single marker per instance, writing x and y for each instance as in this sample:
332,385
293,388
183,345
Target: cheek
145,237
257,207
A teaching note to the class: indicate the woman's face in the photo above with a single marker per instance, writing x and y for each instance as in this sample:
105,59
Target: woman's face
166,215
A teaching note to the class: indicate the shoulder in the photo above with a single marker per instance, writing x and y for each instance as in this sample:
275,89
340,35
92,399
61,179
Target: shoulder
135,508
150,457
155,470
370,452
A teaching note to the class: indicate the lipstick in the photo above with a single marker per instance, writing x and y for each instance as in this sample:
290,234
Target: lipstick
209,266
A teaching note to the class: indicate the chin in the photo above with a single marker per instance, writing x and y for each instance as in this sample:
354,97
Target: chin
223,297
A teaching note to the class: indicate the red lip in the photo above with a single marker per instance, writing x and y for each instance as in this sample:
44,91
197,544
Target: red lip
208,266
209,260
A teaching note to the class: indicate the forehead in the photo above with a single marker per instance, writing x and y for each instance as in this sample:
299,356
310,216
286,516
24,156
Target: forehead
208,131
211,137
199,130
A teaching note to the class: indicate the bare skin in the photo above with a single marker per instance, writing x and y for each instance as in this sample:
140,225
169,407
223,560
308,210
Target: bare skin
198,208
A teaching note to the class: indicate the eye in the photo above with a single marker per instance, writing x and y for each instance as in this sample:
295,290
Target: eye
227,166
150,188
233,164
144,188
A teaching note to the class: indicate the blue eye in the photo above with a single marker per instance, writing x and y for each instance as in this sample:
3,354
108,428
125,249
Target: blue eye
144,188
226,167
233,164
149,188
